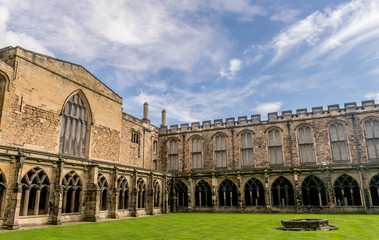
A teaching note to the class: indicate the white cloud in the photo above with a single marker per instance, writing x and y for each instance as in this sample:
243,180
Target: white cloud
11,38
373,95
285,15
268,107
234,66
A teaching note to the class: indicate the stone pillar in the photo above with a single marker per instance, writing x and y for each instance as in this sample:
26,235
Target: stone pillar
150,195
145,111
239,192
37,200
173,196
57,201
298,196
163,118
92,196
113,194
214,193
164,194
268,200
14,193
133,195
330,192
190,194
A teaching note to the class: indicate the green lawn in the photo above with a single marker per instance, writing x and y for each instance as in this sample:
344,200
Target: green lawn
207,226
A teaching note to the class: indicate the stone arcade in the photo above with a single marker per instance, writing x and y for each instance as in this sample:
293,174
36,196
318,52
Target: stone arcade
69,153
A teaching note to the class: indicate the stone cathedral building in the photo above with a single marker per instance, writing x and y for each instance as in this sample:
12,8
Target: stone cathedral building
69,153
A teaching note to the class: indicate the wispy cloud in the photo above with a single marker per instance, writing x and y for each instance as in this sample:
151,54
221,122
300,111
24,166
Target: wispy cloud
373,95
234,67
267,107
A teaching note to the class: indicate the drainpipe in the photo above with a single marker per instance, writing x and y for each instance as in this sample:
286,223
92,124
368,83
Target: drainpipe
234,162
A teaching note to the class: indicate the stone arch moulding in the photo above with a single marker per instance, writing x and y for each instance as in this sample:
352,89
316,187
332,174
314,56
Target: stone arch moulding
195,136
245,130
273,128
85,102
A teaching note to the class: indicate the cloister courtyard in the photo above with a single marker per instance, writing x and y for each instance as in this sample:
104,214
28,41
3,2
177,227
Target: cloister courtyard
206,226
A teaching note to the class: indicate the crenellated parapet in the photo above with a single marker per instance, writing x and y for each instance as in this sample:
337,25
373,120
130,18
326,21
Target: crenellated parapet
273,117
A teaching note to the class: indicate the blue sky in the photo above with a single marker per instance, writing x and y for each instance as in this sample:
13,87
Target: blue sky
203,60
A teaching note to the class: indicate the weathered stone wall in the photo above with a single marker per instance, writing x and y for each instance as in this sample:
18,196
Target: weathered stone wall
139,154
318,120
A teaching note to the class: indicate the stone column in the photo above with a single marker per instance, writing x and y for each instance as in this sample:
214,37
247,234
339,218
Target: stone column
92,196
298,196
164,194
268,200
14,193
133,195
190,194
57,192
330,192
239,192
113,194
150,196
37,200
214,194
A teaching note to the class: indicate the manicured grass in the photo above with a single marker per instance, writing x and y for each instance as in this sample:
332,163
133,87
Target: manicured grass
207,226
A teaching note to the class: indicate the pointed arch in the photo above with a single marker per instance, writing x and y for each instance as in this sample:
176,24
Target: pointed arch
347,191
72,192
374,190
254,193
282,192
4,87
123,193
227,193
141,194
313,191
76,119
203,194
103,187
156,194
35,192
181,192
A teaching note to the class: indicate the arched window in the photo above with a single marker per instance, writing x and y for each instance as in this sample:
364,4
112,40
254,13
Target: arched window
203,194
306,145
173,154
338,142
220,151
74,127
247,149
313,191
123,193
228,193
181,192
372,138
254,193
275,147
72,189
196,153
374,190
347,191
141,194
35,192
3,83
156,194
3,188
103,186
282,192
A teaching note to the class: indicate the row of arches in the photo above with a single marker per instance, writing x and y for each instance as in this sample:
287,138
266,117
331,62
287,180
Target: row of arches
282,192
36,187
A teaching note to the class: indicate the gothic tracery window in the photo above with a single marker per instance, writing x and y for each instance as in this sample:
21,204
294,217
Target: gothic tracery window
103,186
3,187
123,193
141,193
72,188
347,191
228,193
203,194
372,138
306,145
156,194
338,142
220,151
254,193
35,192
247,149
181,192
196,153
313,191
74,127
282,192
174,154
374,190
275,147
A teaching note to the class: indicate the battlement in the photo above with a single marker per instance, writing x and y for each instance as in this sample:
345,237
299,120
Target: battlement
273,117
